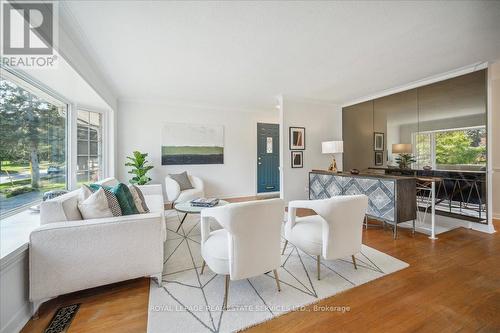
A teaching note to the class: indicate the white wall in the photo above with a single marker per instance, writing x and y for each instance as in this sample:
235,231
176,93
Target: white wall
323,122
494,139
140,126
72,48
14,305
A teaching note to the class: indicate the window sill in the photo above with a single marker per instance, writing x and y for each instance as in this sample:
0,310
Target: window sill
15,231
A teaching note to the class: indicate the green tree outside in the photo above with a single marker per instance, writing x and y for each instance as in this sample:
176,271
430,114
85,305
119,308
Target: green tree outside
33,131
460,147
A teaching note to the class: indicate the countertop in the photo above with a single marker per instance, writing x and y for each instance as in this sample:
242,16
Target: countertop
362,175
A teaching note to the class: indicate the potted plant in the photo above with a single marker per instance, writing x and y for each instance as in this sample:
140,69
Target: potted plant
405,160
140,168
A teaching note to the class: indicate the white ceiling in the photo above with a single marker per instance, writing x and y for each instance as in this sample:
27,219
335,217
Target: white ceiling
242,54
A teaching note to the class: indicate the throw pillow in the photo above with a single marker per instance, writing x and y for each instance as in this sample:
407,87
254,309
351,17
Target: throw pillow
123,196
183,180
140,202
113,203
85,192
95,206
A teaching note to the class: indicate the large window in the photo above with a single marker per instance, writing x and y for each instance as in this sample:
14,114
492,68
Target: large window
89,147
32,144
452,149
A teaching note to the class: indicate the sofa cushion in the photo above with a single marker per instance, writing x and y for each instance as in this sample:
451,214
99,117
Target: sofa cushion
95,206
122,193
139,201
61,209
65,207
183,180
215,251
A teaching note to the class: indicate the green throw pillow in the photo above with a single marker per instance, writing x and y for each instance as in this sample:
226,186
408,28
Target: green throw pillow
122,193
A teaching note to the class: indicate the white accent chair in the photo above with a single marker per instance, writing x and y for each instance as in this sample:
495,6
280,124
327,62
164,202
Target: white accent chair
175,195
334,233
248,243
67,253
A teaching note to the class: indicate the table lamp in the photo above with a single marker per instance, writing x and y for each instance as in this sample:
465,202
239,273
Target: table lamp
332,147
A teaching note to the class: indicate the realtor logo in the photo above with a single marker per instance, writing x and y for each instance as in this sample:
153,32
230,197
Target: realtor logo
28,34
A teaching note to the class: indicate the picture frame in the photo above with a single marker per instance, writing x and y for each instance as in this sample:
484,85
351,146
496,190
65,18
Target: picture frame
378,141
297,159
188,143
297,138
379,158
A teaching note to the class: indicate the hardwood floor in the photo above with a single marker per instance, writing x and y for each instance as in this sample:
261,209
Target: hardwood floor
120,307
452,284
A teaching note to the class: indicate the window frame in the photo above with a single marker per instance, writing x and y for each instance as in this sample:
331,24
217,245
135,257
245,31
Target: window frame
72,108
103,165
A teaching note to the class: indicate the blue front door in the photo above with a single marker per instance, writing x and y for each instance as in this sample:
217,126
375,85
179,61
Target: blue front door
268,158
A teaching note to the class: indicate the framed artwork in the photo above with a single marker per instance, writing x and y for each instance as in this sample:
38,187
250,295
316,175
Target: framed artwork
192,144
379,158
297,159
297,138
378,141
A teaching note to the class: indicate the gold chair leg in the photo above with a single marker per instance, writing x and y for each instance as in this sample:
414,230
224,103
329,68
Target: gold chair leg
354,262
284,247
226,291
319,263
203,267
277,279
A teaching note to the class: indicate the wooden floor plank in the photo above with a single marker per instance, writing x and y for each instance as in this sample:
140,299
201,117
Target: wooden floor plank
452,284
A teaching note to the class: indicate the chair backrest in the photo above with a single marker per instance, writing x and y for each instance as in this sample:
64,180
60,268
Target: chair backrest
254,237
344,215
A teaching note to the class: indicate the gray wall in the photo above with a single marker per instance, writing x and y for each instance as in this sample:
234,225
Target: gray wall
357,134
453,103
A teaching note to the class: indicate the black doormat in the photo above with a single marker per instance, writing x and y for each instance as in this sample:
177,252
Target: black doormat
62,319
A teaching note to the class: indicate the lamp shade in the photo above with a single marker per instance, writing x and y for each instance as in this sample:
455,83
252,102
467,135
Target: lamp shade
401,148
332,147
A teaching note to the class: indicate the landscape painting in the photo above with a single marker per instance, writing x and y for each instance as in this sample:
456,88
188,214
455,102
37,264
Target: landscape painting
192,144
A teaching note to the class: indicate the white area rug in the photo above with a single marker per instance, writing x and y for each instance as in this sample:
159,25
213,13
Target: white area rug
189,302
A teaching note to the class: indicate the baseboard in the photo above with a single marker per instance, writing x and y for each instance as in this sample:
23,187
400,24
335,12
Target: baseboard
487,228
17,322
264,194
235,196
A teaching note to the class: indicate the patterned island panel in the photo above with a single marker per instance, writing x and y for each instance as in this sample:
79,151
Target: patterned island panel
382,192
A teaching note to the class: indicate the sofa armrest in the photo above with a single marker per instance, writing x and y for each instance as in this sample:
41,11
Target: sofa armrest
153,189
71,256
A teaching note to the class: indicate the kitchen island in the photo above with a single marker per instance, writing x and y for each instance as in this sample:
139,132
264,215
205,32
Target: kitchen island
391,199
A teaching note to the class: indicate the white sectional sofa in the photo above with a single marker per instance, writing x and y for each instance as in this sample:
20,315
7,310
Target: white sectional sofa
68,254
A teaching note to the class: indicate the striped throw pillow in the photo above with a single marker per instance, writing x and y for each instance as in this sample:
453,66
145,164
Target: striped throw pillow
140,202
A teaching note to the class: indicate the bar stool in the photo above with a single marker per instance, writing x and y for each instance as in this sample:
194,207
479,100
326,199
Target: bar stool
424,195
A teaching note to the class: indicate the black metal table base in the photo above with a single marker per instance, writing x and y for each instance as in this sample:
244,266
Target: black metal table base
183,219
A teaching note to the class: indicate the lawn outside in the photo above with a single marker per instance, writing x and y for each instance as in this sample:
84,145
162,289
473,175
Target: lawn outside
15,184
